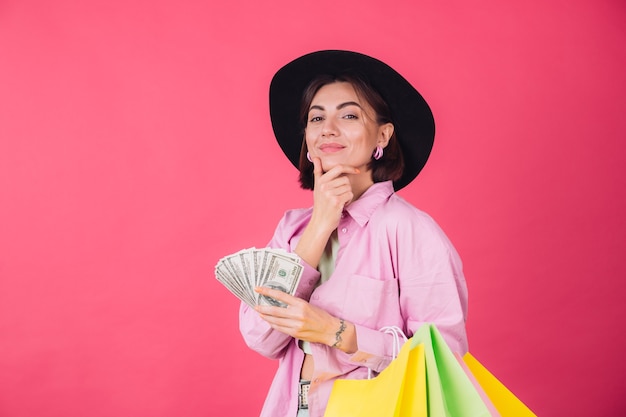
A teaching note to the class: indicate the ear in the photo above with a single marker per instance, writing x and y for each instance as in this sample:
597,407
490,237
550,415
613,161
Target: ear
384,134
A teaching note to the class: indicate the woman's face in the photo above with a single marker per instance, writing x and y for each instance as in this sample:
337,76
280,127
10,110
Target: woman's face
342,128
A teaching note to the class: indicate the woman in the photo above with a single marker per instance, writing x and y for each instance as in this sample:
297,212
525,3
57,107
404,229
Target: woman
370,259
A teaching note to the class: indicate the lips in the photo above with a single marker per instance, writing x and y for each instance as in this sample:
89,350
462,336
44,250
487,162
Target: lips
331,147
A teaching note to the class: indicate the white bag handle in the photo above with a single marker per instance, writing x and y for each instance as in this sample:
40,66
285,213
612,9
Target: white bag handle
397,334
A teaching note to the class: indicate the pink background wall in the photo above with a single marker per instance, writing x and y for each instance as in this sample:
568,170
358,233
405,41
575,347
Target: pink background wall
136,150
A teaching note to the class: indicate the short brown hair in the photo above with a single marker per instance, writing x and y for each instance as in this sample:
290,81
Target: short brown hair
391,165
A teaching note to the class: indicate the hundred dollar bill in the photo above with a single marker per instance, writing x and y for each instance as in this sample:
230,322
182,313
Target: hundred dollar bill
235,291
242,271
233,272
245,260
282,273
228,278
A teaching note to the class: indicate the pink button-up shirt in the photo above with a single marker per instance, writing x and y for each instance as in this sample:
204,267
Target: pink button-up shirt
394,267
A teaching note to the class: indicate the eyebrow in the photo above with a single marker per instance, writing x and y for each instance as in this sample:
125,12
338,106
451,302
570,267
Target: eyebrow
339,107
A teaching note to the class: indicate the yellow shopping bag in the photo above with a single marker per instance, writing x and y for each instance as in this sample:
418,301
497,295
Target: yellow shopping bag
399,390
507,404
413,401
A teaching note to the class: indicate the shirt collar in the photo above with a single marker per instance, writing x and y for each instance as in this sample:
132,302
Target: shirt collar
362,209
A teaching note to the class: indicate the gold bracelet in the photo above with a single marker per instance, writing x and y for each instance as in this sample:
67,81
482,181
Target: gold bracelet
338,339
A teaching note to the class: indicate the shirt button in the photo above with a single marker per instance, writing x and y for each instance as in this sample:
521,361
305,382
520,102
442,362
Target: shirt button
344,230
343,215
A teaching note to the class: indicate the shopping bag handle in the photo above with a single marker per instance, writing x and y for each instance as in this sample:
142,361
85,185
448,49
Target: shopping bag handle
397,335
397,345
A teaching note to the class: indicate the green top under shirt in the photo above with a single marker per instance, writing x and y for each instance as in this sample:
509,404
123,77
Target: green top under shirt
326,267
327,261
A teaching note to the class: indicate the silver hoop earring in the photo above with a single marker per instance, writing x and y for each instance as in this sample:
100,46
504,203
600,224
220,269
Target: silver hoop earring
308,156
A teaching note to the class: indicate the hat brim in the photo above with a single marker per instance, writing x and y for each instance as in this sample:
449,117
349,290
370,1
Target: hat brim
412,118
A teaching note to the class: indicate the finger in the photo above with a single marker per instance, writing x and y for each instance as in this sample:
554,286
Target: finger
317,168
285,327
337,185
340,170
286,324
272,314
337,188
277,295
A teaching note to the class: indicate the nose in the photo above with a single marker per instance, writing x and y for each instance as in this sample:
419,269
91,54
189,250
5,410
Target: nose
329,128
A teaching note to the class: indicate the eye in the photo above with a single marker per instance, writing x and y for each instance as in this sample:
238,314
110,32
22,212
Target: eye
350,116
315,119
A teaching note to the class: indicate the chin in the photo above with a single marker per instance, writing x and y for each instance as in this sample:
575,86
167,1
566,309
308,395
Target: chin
326,165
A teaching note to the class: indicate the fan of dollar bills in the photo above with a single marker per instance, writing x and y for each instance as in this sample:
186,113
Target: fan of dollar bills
267,267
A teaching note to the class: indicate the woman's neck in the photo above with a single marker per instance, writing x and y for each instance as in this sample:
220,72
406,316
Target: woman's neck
360,183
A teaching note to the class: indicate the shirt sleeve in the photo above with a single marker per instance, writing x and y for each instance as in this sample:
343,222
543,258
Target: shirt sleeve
375,348
257,333
432,289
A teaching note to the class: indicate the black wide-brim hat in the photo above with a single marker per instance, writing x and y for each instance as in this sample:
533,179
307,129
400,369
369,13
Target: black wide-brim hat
412,117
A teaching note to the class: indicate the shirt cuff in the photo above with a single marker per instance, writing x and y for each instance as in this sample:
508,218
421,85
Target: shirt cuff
374,350
309,279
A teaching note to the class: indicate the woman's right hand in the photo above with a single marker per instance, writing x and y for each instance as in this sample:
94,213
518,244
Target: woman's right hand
331,193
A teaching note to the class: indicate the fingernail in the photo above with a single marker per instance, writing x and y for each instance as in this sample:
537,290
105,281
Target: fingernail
357,170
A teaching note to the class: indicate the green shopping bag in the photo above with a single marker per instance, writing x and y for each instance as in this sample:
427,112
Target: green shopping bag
450,392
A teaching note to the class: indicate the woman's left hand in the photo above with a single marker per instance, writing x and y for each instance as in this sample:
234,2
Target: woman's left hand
299,319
